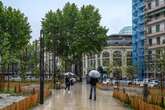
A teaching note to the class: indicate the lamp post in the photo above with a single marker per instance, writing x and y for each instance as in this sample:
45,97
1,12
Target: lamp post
41,67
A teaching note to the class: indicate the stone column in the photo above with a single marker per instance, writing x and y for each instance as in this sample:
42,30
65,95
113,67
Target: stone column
96,62
124,64
111,56
101,59
86,64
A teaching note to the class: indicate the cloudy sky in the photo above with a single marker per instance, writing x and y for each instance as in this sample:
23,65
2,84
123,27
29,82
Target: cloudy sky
115,13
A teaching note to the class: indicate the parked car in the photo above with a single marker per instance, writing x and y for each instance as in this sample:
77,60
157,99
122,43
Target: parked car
106,81
115,82
145,81
15,78
153,83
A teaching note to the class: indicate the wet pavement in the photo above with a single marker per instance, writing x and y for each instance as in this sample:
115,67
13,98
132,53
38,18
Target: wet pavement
78,100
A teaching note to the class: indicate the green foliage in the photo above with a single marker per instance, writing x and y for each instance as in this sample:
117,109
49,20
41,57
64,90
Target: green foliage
130,72
117,72
14,34
110,68
71,32
36,71
161,60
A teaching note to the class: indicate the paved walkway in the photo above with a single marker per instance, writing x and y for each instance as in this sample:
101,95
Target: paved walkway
78,100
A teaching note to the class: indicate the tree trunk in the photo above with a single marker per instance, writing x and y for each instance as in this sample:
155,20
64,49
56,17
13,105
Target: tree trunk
78,68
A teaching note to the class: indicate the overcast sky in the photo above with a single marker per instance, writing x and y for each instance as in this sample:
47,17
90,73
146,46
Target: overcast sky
115,13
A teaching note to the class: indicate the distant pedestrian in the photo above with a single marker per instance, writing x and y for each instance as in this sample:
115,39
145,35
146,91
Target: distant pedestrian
67,83
145,92
94,75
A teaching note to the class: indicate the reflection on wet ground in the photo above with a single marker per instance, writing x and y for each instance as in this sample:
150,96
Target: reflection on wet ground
78,100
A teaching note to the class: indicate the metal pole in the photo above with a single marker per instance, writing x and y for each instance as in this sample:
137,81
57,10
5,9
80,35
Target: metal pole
41,67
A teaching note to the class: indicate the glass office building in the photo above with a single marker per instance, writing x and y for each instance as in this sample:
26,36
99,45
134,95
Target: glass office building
138,36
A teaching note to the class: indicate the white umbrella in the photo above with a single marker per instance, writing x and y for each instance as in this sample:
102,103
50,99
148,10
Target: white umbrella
94,74
69,73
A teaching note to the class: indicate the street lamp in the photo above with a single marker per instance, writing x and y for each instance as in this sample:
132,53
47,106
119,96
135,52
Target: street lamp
41,67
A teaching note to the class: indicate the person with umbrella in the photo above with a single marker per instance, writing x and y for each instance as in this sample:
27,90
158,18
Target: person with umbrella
67,82
94,75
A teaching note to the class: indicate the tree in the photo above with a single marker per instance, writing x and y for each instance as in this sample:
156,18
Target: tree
91,37
110,68
160,62
117,73
72,32
14,34
130,71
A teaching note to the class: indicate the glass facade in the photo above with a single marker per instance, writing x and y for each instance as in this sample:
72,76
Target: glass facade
138,36
126,30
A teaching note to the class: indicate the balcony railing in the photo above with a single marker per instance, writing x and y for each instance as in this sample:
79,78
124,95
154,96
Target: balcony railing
156,21
155,8
154,46
155,34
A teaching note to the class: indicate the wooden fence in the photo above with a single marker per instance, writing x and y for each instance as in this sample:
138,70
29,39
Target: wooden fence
28,102
24,104
135,101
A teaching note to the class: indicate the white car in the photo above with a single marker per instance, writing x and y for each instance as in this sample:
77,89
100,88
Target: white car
136,81
106,81
17,78
115,82
153,83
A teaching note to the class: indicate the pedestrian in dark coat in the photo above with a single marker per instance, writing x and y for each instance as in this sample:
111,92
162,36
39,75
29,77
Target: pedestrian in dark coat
67,83
93,82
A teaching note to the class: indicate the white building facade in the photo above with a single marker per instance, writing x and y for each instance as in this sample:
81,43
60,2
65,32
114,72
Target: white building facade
118,52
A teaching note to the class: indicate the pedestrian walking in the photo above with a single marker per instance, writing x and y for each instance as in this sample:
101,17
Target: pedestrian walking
67,83
94,75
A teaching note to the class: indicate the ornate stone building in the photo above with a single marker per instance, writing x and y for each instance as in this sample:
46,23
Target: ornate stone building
117,53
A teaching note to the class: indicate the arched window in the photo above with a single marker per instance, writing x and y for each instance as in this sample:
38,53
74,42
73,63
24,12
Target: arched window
91,61
129,58
117,58
105,57
98,60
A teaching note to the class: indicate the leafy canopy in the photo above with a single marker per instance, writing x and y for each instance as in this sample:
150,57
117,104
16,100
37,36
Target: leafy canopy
71,32
14,33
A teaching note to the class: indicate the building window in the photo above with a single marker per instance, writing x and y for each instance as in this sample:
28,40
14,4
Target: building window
158,28
163,41
117,58
157,16
106,59
156,3
129,58
150,55
158,40
158,53
149,5
149,30
150,42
